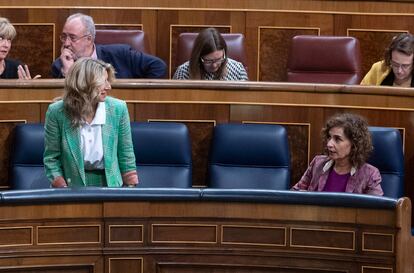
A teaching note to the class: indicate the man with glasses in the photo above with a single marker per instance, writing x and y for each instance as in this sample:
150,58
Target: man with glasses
77,39
397,67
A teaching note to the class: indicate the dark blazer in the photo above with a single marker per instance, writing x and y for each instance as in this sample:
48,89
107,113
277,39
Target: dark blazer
11,69
128,62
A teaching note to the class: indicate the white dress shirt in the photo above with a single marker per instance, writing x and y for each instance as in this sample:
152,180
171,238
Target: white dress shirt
91,140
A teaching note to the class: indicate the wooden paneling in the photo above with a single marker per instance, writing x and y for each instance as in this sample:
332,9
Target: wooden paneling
204,236
50,269
273,56
175,267
183,233
34,46
78,263
377,269
302,108
329,239
125,233
69,234
378,242
16,236
391,6
125,265
268,31
269,36
26,112
253,235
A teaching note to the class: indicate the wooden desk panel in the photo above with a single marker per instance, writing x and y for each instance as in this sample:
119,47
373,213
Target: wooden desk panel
302,108
190,236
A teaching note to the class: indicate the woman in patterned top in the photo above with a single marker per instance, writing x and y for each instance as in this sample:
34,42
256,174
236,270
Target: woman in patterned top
209,60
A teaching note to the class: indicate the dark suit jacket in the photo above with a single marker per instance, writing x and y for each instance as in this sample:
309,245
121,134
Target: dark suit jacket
128,62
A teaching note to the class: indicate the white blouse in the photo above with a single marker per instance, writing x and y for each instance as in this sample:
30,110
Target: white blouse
91,140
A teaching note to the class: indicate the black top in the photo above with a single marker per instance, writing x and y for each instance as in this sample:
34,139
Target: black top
10,71
389,80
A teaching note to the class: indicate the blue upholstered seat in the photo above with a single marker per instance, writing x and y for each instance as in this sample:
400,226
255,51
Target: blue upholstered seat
250,156
389,159
26,166
163,154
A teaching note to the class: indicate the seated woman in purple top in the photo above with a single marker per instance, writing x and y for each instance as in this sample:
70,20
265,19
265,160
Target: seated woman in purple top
347,143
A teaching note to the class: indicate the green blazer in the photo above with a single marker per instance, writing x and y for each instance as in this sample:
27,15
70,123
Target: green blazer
63,156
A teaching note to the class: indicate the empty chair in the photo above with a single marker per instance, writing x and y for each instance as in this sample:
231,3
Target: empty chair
26,166
163,154
250,156
135,38
324,59
389,159
234,42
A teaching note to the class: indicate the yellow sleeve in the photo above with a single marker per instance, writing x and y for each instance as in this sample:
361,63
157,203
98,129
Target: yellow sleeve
376,74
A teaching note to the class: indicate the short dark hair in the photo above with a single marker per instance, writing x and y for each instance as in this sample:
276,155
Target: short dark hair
403,43
207,41
356,130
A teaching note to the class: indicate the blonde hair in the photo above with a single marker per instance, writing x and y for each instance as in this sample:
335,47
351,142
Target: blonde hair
81,91
7,30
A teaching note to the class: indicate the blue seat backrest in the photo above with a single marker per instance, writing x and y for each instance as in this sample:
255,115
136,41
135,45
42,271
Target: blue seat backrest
254,156
389,159
163,154
26,166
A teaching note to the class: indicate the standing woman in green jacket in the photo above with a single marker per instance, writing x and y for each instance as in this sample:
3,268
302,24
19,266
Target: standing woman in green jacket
87,133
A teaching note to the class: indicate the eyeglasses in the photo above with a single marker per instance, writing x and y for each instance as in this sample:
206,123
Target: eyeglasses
216,61
397,66
73,38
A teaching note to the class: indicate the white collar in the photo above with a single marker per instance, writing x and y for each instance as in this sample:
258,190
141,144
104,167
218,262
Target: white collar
330,163
100,114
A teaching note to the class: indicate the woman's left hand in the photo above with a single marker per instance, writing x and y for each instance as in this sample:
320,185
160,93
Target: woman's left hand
130,179
24,73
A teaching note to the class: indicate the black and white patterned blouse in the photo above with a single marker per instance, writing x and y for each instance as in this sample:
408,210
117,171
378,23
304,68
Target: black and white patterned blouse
235,72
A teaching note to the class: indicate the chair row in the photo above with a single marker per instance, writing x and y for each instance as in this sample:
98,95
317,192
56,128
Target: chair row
313,59
242,156
163,156
139,41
